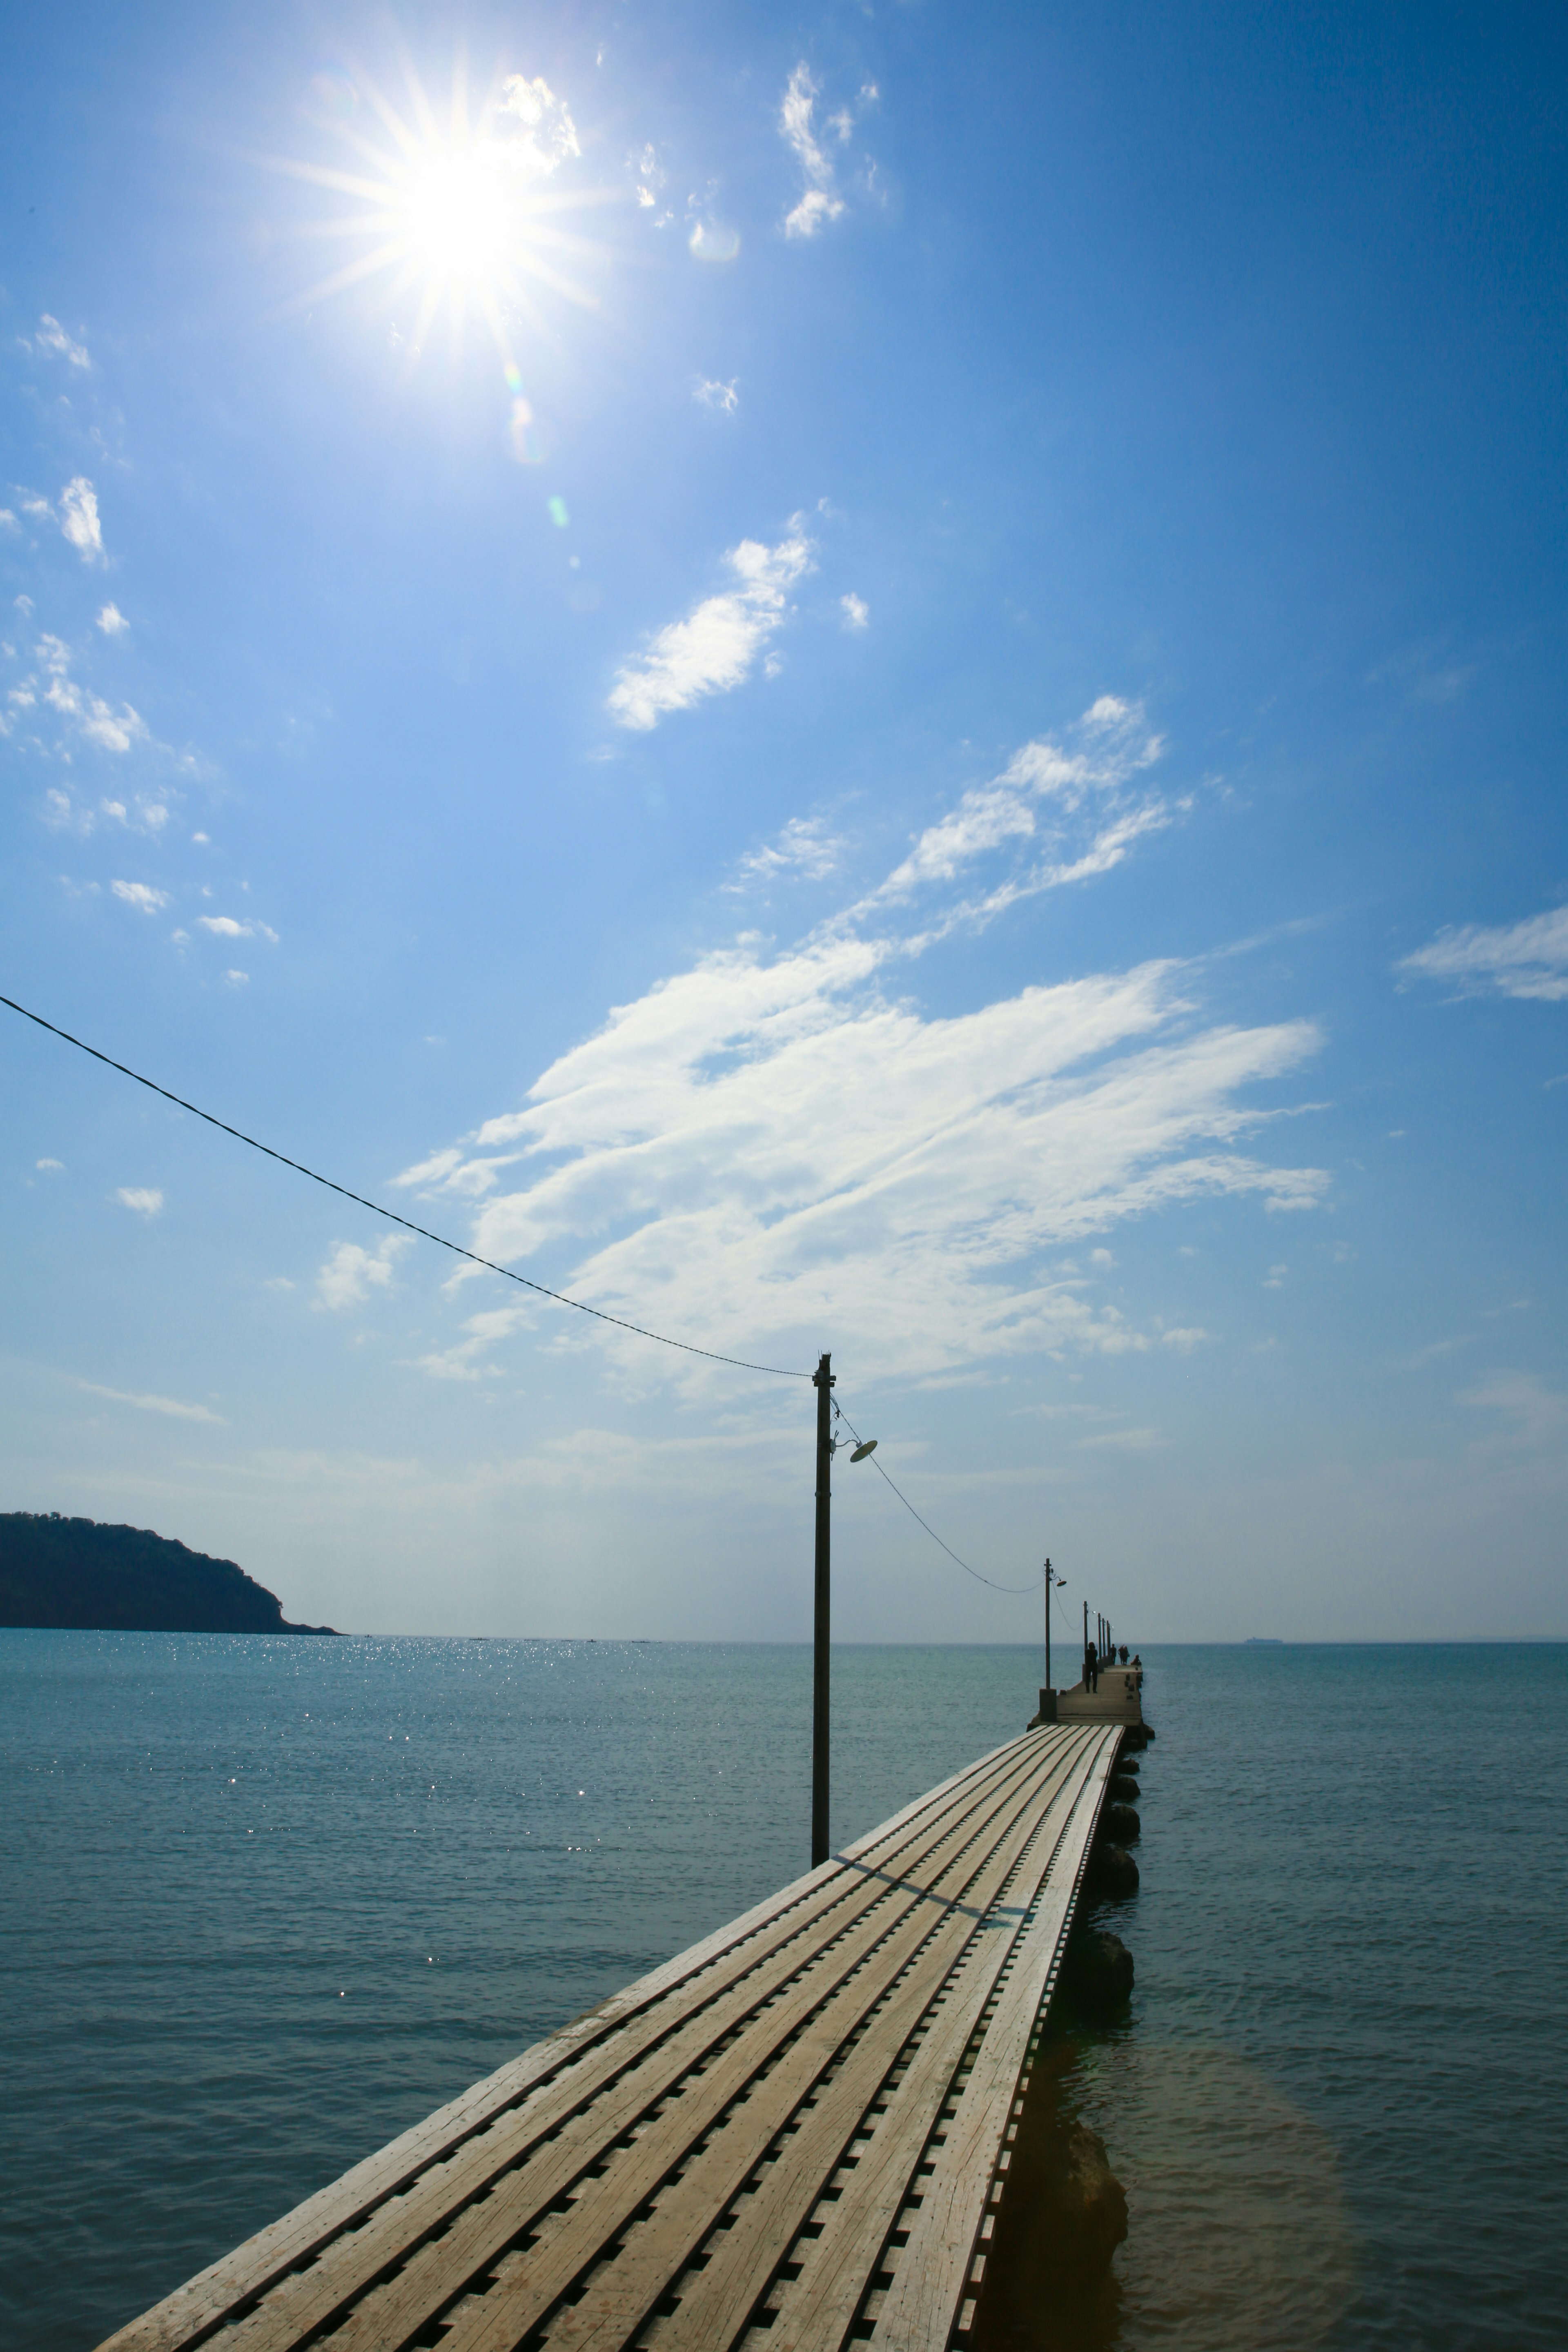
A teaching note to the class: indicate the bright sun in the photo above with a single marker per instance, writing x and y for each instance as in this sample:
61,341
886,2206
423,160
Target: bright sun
461,212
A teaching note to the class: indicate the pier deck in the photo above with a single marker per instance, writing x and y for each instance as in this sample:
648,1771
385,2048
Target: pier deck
794,2134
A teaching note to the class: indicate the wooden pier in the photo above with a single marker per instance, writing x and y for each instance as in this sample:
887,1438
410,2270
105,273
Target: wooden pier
794,2135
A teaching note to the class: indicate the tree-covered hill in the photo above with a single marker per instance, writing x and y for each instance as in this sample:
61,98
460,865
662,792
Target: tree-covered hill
75,1573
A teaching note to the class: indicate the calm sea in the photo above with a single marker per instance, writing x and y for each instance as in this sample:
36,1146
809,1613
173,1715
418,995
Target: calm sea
264,1903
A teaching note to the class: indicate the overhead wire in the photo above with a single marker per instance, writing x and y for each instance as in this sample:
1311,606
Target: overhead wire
686,1347
507,1273
964,1564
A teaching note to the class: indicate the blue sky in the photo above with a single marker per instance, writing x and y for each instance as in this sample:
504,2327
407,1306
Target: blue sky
888,680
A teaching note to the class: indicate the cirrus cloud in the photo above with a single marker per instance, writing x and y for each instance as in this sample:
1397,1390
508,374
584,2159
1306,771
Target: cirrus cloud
768,1147
1527,958
714,648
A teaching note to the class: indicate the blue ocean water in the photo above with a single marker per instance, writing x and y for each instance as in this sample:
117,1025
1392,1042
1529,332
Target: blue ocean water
266,1902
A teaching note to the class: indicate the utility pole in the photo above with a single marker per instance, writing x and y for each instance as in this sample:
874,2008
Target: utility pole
1086,1641
1048,1624
822,1380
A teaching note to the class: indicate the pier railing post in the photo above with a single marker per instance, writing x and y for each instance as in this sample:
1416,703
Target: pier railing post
822,1380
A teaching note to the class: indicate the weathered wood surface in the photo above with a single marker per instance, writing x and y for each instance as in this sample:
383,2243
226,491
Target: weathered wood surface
794,2134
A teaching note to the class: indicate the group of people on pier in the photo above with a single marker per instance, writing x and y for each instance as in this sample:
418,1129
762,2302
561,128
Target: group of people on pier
1093,1661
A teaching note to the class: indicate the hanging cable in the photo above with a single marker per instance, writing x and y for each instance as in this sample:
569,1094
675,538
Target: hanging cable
776,1371
930,1531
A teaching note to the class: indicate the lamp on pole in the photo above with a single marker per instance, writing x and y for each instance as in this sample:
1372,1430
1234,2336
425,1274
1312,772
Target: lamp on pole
1051,1578
826,1446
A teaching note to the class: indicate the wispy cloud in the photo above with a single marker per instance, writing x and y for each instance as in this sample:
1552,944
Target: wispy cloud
170,1405
714,648
143,1197
1535,1415
548,136
1524,960
87,714
649,176
1064,812
482,1333
49,337
724,397
805,846
112,621
820,201
351,1273
142,896
856,612
767,1148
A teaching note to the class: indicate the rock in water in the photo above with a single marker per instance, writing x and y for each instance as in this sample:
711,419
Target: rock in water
1122,1788
1090,2204
1063,2215
1112,1873
1098,1971
1119,1824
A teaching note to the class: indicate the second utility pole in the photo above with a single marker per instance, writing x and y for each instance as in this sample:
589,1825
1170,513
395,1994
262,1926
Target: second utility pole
822,1380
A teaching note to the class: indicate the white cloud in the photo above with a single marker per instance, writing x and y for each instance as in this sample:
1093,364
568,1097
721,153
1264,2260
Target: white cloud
713,649
1064,814
648,175
805,847
51,337
143,1198
238,979
821,203
814,210
79,519
483,1332
62,815
1275,1277
351,1273
724,397
8,520
1529,959
764,1150
112,621
856,612
1537,1415
226,926
50,1163
1183,1337
170,1405
96,720
549,135
142,896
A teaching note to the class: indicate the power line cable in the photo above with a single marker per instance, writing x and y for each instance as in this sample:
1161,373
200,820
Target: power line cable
930,1531
776,1371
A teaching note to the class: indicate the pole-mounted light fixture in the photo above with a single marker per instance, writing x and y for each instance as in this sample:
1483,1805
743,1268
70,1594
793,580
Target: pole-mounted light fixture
827,1447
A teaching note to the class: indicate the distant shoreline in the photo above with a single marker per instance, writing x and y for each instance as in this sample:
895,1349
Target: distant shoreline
75,1575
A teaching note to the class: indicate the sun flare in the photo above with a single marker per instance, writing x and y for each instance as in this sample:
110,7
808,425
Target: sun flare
461,212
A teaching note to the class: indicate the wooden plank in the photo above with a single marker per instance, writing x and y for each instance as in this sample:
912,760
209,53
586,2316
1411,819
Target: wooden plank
605,2205
742,2259
879,2131
706,1969
932,2278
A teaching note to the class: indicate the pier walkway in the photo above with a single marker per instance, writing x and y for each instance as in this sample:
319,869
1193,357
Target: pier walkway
795,2134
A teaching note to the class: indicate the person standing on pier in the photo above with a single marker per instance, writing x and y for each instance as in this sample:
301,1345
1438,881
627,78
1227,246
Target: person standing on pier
1091,1668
